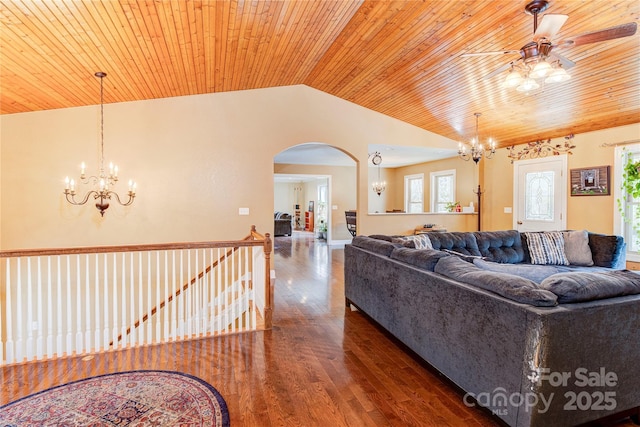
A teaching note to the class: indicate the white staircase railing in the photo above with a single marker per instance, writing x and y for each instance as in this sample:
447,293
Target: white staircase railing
56,302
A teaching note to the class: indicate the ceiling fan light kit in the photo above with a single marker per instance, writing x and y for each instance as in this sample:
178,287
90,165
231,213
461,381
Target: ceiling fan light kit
540,70
557,75
538,60
528,84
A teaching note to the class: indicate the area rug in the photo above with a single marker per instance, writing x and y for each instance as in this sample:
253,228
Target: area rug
136,398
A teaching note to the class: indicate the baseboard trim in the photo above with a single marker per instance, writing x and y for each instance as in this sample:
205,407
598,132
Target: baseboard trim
339,242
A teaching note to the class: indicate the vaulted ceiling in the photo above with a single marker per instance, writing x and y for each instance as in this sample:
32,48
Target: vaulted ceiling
400,58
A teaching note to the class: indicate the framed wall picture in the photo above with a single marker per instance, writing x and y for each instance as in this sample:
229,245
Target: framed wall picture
592,181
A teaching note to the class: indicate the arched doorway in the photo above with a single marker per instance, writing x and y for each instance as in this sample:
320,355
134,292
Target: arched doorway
317,181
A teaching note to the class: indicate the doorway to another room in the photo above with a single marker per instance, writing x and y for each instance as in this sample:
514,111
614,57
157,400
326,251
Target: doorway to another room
316,184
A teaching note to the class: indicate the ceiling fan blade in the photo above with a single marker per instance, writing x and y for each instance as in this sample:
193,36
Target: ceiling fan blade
549,26
610,33
497,52
566,63
499,70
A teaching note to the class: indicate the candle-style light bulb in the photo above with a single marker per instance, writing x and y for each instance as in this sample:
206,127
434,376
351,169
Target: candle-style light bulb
83,168
66,183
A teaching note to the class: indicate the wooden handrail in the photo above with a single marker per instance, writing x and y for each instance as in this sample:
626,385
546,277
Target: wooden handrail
125,316
247,241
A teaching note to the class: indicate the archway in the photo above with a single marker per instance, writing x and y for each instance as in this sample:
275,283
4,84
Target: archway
302,173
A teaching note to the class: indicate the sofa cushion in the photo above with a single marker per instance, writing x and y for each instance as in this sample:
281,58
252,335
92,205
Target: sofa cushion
468,258
576,247
510,286
419,241
378,246
535,273
425,259
546,247
458,241
587,286
500,246
607,251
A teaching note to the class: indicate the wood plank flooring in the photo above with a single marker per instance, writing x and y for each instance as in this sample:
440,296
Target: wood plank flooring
320,365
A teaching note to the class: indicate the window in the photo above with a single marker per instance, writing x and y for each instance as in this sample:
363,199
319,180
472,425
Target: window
321,214
627,209
414,193
443,189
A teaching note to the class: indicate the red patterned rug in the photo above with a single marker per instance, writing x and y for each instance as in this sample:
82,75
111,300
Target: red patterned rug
136,398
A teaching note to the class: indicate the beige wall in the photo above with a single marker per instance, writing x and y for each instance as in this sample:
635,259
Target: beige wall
284,195
466,180
594,213
196,159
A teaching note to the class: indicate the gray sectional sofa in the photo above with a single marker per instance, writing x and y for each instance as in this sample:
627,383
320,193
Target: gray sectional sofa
538,345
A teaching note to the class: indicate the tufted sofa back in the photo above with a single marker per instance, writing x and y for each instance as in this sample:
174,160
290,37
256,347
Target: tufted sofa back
457,241
501,246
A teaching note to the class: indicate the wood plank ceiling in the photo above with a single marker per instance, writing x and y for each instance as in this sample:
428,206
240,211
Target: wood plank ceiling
400,58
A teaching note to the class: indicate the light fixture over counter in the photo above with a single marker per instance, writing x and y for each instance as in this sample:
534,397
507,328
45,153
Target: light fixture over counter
477,149
378,186
102,182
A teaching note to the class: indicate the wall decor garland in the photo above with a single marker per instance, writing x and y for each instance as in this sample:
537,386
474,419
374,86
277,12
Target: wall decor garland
541,148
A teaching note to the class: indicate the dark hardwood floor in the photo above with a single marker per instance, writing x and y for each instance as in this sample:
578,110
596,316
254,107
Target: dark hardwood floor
320,365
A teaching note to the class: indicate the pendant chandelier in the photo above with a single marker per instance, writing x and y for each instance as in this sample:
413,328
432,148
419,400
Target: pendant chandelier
378,186
477,149
103,181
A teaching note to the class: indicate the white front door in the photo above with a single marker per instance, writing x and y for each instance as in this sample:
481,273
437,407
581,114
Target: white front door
540,194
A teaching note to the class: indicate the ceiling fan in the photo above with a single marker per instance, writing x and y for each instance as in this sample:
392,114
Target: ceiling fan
538,58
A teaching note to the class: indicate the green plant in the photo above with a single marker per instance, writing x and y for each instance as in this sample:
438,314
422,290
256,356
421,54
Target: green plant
631,178
631,190
322,226
451,206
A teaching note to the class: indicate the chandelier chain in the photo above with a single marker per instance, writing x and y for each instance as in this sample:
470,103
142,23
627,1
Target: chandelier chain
101,124
102,192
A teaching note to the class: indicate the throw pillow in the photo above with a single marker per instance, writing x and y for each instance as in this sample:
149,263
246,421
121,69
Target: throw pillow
576,247
608,251
420,241
587,286
546,248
